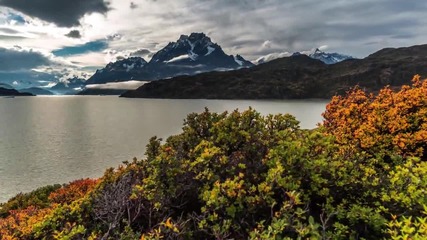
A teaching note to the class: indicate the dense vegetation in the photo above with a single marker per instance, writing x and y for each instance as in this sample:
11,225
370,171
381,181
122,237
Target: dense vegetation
362,174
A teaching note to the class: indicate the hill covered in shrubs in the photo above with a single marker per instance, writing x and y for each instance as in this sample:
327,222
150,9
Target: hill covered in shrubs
295,77
362,174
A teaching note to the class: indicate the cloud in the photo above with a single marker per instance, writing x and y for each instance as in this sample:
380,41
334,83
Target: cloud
133,5
272,56
18,59
143,52
27,78
74,34
9,37
64,13
94,46
267,44
323,47
245,25
33,68
128,85
8,30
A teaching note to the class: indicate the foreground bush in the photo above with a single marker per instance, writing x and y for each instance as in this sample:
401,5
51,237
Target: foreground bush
383,124
241,175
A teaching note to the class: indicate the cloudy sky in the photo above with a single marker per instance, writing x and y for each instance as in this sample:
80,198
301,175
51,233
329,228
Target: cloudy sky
51,40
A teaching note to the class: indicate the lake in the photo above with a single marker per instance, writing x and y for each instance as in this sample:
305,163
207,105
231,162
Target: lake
47,140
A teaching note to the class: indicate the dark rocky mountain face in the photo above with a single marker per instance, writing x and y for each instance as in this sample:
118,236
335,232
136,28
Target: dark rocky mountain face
126,69
189,55
297,76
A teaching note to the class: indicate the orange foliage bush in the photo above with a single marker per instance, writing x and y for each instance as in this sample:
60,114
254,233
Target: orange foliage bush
73,191
21,222
395,121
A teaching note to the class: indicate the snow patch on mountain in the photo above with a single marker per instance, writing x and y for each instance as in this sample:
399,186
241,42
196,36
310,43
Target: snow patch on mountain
238,61
192,45
193,55
129,67
210,50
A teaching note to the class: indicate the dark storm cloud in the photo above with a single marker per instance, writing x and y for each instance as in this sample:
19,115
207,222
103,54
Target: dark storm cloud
64,13
15,60
141,53
74,34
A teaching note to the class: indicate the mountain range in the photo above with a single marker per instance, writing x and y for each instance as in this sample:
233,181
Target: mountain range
12,92
37,91
298,76
195,67
328,58
188,55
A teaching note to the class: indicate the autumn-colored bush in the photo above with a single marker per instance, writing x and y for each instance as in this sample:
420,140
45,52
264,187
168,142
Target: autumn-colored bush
38,198
72,191
26,214
390,122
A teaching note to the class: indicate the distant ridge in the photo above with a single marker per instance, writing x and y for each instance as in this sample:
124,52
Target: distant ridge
37,91
296,77
12,92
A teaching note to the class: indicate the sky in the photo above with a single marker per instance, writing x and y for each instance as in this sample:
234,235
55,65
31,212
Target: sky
42,41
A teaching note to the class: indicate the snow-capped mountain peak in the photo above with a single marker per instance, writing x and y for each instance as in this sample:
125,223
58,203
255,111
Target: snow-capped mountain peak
329,58
197,49
188,55
194,46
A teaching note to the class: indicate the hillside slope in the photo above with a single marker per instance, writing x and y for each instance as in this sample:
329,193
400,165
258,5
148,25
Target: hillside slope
296,77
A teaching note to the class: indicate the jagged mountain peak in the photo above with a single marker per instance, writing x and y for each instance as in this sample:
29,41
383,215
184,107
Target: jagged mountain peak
329,58
186,48
193,37
241,61
127,63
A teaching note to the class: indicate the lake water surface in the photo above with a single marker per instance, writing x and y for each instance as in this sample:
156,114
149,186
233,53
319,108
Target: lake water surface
47,140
